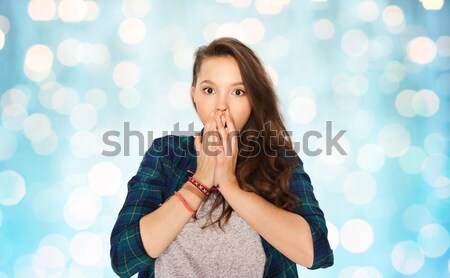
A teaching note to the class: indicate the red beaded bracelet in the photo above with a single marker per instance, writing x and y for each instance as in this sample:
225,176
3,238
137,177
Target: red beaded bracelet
200,186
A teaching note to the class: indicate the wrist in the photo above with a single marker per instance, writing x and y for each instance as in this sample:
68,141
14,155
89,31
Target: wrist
204,181
193,189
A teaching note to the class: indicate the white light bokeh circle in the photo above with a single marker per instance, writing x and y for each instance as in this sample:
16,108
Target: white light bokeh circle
46,92
39,58
92,10
394,139
394,19
403,103
333,156
83,144
265,7
240,3
368,11
9,143
66,50
180,95
129,97
253,30
357,64
23,266
136,8
48,261
83,116
303,109
411,161
12,188
37,127
363,124
407,257
434,168
99,54
435,143
126,74
72,10
323,29
359,188
416,216
46,146
358,84
443,46
273,74
370,158
360,272
432,4
96,98
354,42
91,203
394,71
421,50
356,235
132,30
425,103
434,240
4,24
86,248
14,116
105,178
228,29
64,100
82,217
14,95
2,39
42,10
333,235
380,47
183,57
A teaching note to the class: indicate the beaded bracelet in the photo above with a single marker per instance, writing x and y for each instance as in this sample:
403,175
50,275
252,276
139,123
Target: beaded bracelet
200,186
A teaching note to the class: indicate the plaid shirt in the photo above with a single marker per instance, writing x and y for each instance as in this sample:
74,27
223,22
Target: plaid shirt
164,170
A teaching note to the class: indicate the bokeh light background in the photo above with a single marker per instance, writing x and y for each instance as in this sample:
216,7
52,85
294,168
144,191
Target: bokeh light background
70,70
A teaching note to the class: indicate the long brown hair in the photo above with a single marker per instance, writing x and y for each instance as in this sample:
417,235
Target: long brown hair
268,175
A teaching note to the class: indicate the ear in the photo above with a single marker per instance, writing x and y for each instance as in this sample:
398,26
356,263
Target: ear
193,93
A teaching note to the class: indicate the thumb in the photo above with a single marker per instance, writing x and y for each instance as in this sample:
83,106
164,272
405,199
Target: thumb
197,141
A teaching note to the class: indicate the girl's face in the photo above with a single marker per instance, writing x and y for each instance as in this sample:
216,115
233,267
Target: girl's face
220,87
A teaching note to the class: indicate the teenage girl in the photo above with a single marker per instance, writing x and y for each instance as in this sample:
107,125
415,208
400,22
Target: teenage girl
231,201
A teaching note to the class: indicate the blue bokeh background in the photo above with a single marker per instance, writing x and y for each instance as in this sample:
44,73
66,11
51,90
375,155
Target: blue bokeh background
71,70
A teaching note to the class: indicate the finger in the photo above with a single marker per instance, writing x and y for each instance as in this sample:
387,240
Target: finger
231,128
221,129
208,127
197,143
229,121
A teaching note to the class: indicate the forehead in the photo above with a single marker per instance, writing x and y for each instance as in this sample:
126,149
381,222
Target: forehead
218,66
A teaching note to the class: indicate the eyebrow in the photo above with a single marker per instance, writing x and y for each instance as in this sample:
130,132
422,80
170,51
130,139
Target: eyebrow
209,81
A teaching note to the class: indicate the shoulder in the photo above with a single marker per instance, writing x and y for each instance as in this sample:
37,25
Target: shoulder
172,146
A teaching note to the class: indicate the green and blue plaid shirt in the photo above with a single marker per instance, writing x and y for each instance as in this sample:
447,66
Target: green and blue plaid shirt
164,170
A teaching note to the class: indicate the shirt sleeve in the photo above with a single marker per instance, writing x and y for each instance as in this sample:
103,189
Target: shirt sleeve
127,253
308,208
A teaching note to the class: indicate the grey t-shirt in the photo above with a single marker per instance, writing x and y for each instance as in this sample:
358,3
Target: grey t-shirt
237,252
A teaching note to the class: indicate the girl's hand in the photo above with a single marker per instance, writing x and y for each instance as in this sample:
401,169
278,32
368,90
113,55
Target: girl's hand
225,170
206,152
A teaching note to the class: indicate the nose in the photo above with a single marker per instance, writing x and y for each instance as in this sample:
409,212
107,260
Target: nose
221,104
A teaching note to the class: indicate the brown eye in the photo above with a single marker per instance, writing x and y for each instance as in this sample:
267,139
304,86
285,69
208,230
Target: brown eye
241,92
208,88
